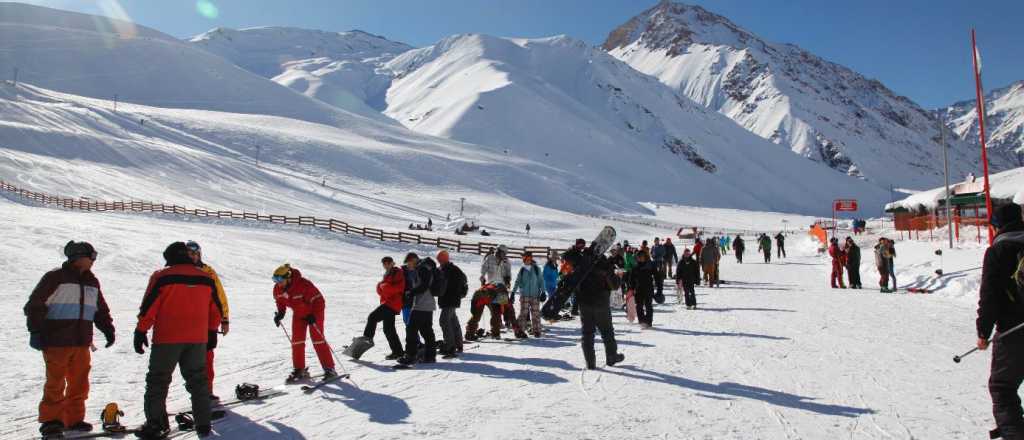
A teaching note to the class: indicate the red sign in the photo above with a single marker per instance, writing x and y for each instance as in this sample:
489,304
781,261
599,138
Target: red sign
842,205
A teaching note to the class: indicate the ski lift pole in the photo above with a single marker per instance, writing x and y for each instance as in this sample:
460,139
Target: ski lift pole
994,339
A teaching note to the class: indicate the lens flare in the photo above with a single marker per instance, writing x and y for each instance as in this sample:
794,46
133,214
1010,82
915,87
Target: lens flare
207,9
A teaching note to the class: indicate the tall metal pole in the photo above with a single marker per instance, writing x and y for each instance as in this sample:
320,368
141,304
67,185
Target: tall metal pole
945,164
981,133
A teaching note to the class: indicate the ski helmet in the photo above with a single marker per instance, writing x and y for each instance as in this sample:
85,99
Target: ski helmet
74,250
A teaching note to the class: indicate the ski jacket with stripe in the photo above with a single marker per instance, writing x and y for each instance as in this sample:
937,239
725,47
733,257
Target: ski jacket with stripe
224,311
391,289
65,306
301,296
1001,303
529,282
180,305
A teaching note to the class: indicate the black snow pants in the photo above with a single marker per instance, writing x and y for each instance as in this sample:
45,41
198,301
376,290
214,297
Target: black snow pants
597,318
645,308
1006,377
690,294
387,316
421,323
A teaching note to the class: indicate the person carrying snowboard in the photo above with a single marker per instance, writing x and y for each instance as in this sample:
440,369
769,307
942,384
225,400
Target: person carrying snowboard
217,326
421,320
738,246
179,306
456,288
593,278
764,244
852,263
61,312
642,280
293,291
687,276
838,261
780,243
390,289
1000,308
530,287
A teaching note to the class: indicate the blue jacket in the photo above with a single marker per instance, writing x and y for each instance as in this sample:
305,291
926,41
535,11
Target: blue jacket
550,278
529,283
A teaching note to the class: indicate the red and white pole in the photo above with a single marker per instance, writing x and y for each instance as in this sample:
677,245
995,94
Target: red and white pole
981,130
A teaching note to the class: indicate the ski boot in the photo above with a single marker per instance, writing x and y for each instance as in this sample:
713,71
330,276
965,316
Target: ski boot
53,428
152,432
394,356
329,373
297,375
521,334
82,426
618,358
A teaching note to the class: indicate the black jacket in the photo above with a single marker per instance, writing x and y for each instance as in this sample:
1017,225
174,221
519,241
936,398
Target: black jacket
853,257
737,244
642,279
1001,305
455,286
595,278
688,270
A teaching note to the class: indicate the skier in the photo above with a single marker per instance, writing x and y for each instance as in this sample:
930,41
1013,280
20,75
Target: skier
421,320
687,275
882,265
838,261
390,289
709,258
593,278
642,280
220,325
530,286
738,246
180,304
853,263
780,242
61,312
671,256
292,290
455,289
999,306
764,244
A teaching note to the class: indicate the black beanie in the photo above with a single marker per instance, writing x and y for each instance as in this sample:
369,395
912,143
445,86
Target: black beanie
78,249
1006,214
177,253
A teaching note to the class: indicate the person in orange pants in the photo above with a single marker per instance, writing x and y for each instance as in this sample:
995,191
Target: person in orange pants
219,323
293,291
838,262
61,312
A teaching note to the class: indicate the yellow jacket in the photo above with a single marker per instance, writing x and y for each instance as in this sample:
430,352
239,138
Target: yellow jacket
220,292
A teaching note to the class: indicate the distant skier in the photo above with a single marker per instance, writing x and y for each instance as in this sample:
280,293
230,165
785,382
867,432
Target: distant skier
642,280
658,257
421,319
671,256
710,258
687,276
529,285
61,312
882,265
764,244
390,290
890,260
221,324
738,246
853,263
456,288
293,291
999,307
698,250
593,278
780,243
838,262
728,244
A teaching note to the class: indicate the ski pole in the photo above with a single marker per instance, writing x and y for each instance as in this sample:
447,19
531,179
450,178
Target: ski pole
286,335
336,358
994,339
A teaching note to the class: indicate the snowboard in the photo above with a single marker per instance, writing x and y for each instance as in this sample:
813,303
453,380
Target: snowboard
604,241
215,415
359,346
630,307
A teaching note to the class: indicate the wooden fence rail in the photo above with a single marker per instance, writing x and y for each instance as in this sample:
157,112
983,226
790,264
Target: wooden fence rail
334,225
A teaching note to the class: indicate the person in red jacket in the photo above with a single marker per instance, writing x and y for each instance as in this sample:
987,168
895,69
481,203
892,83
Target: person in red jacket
293,291
180,304
390,290
838,262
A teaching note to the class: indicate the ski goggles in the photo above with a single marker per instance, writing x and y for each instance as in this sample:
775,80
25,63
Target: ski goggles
193,246
278,279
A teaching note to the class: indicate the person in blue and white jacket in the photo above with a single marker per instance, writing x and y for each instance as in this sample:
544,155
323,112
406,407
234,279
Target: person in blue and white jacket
530,286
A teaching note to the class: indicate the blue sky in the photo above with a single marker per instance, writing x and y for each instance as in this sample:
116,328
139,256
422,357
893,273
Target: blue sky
917,48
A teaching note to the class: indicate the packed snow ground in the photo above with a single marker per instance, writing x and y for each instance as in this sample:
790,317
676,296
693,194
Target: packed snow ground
773,354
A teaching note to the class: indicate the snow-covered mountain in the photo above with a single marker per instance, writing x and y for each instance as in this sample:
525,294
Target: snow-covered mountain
1004,121
819,109
561,102
339,68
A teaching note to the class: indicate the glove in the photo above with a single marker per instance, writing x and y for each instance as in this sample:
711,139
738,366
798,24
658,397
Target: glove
224,326
110,338
211,339
35,340
311,319
543,297
278,316
140,341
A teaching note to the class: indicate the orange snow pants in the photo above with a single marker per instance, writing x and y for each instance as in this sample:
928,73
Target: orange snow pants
67,384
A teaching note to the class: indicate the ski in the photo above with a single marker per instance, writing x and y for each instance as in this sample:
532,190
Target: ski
322,382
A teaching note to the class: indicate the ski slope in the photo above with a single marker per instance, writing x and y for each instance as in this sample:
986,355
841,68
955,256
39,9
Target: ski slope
773,354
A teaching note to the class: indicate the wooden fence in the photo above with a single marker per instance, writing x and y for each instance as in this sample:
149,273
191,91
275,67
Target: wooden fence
333,225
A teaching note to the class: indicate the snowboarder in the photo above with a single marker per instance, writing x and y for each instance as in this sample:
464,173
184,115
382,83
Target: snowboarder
710,258
421,320
853,263
497,272
217,326
179,305
882,265
530,287
671,256
642,280
292,290
780,243
738,245
764,244
593,278
456,288
999,307
390,289
687,275
838,261
61,312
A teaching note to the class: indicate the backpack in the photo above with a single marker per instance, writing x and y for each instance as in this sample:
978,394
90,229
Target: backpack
438,284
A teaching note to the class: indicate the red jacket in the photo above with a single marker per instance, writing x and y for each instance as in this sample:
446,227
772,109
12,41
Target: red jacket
391,289
838,254
301,295
180,304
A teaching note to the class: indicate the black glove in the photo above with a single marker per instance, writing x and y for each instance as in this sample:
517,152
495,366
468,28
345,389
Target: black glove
140,341
211,339
35,340
110,338
311,319
278,316
543,297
